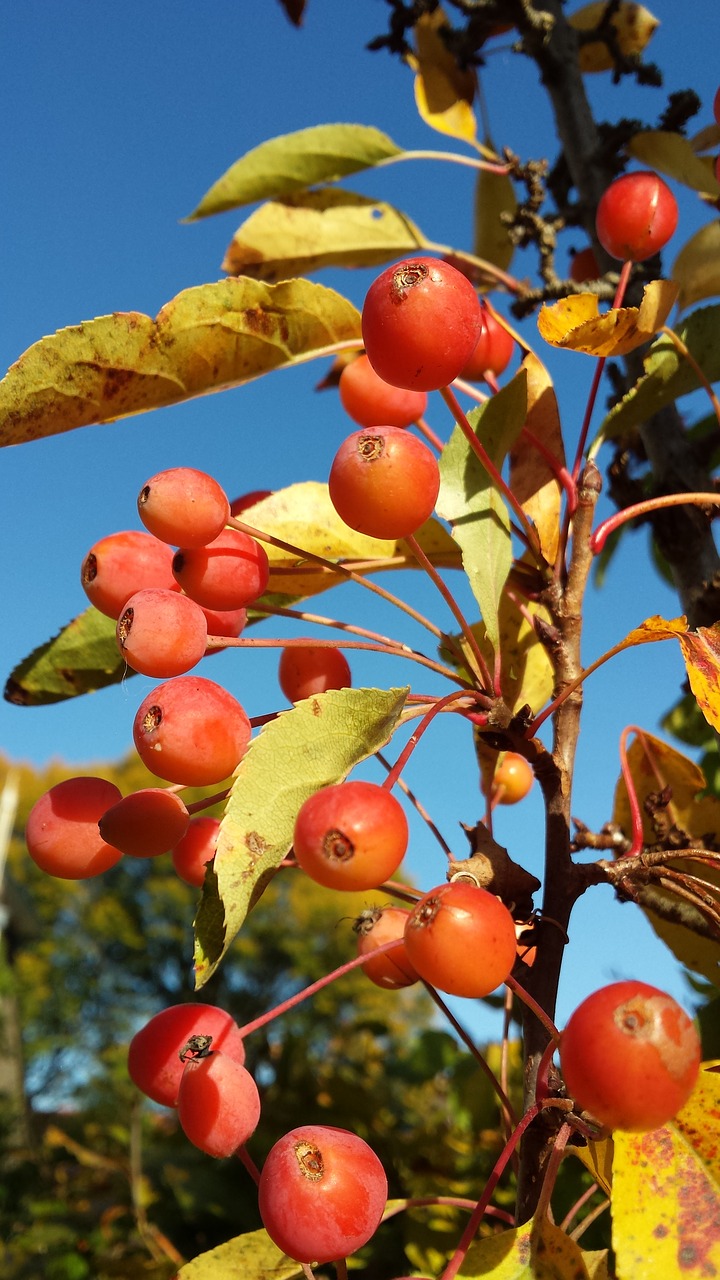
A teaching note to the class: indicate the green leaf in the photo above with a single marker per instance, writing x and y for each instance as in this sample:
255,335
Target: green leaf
667,376
697,267
209,337
317,743
494,196
327,228
296,161
83,657
469,500
252,1256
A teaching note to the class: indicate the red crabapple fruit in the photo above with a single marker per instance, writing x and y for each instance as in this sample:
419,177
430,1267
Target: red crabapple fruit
146,823
584,266
229,573
374,928
351,835
321,1194
161,633
191,731
636,216
62,833
218,1104
197,847
630,1056
372,402
420,324
384,482
183,506
245,500
154,1062
122,563
461,939
493,351
304,670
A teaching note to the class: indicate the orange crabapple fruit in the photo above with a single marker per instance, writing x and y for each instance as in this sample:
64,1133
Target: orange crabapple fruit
384,482
120,564
62,834
350,835
304,670
461,939
196,848
191,731
372,402
145,823
493,351
374,927
512,780
227,573
420,323
630,1055
183,506
161,633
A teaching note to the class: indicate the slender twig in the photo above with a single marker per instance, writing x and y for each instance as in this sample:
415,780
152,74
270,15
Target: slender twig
689,357
475,655
393,650
420,809
613,522
469,1043
441,704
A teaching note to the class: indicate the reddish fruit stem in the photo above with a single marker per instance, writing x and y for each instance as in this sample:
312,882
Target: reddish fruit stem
431,437
455,1202
635,814
507,1107
603,531
440,705
481,454
246,1159
535,1008
451,602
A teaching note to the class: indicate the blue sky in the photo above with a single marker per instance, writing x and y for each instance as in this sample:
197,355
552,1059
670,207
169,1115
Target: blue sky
118,118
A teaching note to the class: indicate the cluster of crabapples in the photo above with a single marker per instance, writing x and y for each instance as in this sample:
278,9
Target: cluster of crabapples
178,590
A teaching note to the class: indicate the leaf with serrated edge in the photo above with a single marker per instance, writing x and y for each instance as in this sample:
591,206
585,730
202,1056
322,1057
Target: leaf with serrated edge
252,1256
667,375
469,500
653,766
539,1250
532,480
575,323
83,657
206,339
696,269
317,743
296,161
675,156
666,1193
327,228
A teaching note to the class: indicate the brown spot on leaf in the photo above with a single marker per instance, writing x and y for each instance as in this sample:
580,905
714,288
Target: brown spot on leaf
255,844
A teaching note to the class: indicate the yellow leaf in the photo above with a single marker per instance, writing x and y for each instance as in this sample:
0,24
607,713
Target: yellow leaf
575,323
494,196
537,1250
532,480
443,93
633,25
252,1256
207,338
696,269
597,1156
701,651
666,1193
674,155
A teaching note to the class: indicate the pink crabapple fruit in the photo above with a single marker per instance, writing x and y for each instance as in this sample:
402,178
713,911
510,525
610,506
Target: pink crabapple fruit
122,563
321,1194
154,1062
161,633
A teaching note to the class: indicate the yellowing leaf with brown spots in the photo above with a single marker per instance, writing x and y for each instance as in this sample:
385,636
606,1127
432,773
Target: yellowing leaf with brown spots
316,743
689,816
532,479
535,1251
207,338
575,323
328,228
443,93
633,27
666,1193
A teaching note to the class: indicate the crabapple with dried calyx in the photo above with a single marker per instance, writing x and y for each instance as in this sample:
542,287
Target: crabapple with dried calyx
350,835
304,670
384,482
322,1193
196,848
161,633
122,563
512,779
372,402
218,1103
630,1055
374,927
183,506
154,1062
146,823
228,573
636,216
191,731
420,323
62,834
461,939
